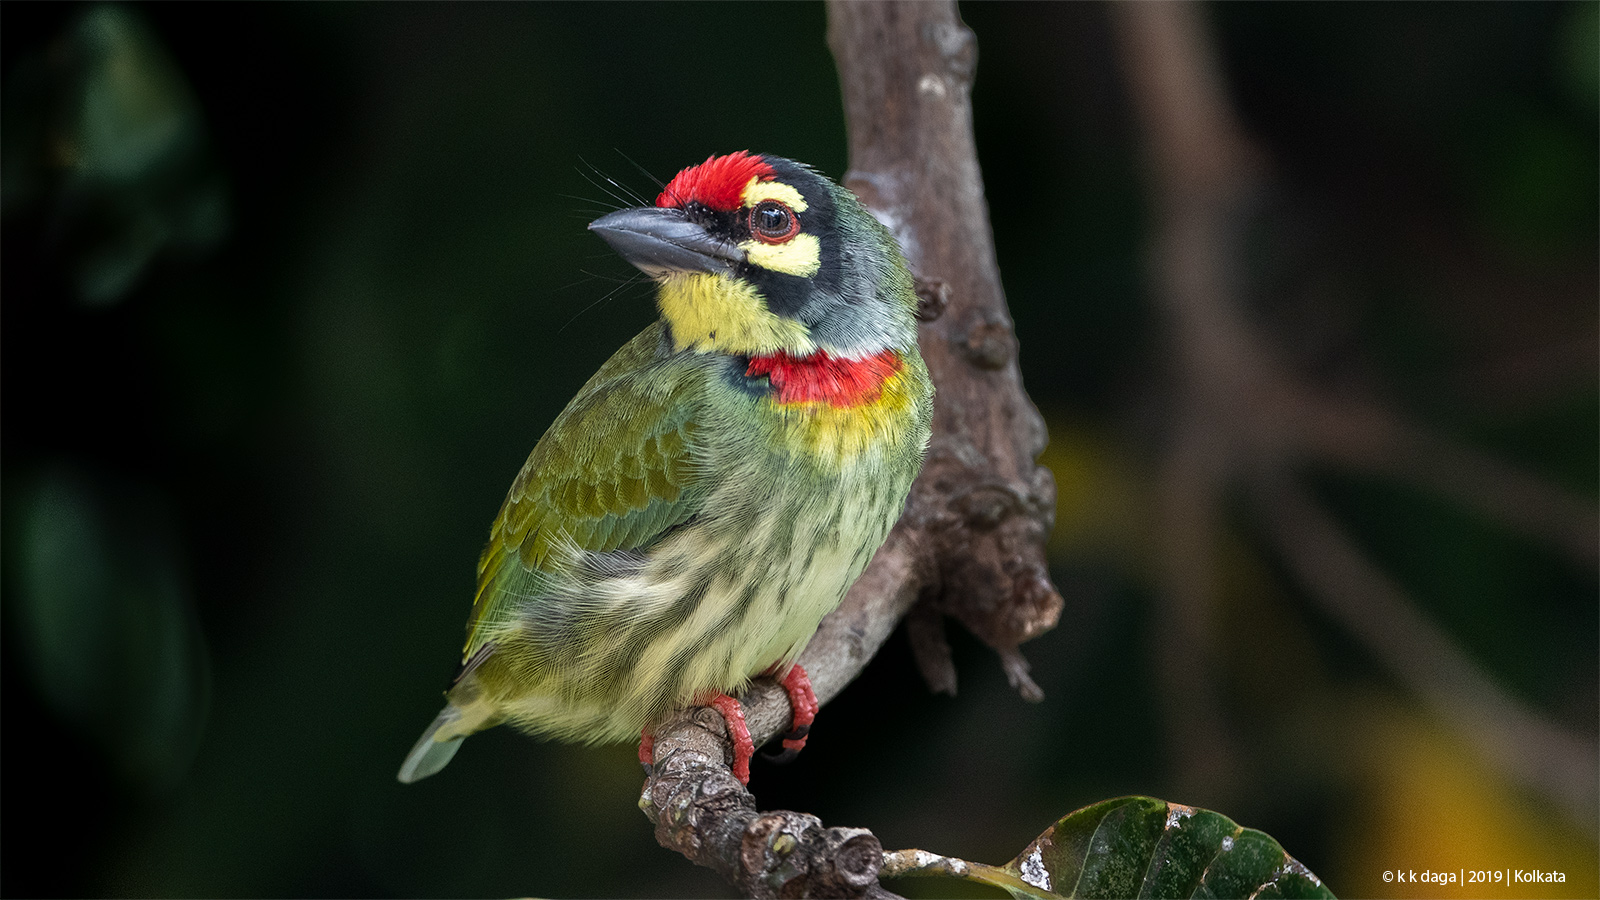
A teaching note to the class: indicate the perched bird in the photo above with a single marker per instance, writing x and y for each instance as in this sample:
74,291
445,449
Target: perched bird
714,489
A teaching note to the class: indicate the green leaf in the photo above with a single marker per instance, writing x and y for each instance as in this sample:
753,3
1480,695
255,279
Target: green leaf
1134,847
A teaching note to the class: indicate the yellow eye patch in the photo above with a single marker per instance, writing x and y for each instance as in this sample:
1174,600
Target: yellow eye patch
758,191
800,255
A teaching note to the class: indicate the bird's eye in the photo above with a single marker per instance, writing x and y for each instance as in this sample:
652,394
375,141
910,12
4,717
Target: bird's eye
772,222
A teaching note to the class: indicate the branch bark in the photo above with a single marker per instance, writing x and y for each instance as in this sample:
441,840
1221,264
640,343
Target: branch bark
982,508
971,542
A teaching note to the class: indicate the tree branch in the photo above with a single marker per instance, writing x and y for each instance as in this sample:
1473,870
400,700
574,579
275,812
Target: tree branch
971,542
983,507
1244,417
1371,606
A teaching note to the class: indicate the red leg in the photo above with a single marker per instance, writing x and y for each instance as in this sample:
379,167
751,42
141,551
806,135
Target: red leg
803,700
647,748
743,746
733,714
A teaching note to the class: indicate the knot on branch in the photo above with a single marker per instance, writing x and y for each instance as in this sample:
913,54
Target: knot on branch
933,297
692,795
792,855
990,345
956,46
702,812
991,576
1000,589
985,505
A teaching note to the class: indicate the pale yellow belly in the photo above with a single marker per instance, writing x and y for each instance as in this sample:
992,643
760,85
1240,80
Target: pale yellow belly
758,593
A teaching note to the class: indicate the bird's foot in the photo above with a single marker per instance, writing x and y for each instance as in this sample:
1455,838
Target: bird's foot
803,700
738,732
647,750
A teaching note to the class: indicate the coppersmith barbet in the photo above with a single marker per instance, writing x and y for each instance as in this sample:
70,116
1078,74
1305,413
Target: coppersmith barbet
715,488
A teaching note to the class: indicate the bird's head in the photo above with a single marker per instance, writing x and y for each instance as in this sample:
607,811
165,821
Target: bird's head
756,255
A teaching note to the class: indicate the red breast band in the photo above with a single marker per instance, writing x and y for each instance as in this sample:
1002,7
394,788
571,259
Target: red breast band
837,381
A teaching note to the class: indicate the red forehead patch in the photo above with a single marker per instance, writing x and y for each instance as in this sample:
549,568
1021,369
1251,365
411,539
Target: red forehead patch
718,182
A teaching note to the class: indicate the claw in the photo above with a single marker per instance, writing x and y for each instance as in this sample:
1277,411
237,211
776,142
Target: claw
803,700
739,732
782,757
647,751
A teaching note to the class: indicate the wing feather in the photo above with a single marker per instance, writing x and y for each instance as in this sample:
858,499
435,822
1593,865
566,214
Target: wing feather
615,471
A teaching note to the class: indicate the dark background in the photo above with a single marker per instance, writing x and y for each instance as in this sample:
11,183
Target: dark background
290,290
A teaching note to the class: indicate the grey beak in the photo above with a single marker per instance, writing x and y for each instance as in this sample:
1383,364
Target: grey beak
662,241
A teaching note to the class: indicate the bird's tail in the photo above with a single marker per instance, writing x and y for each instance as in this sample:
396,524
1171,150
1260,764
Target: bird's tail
436,746
467,711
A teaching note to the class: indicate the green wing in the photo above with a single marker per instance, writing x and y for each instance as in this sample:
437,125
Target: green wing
616,469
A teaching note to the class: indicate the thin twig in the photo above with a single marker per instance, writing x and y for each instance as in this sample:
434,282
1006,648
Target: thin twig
1365,436
1371,606
921,863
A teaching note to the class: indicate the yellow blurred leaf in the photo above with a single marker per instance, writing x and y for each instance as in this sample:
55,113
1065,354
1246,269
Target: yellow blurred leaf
1432,806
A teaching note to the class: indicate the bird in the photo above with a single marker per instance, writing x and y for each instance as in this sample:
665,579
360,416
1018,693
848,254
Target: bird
715,488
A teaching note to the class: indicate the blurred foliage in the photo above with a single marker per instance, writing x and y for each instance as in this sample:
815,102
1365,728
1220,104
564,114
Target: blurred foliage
102,130
1429,805
104,622
283,325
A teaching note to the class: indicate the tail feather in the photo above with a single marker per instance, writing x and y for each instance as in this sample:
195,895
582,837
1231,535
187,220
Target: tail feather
433,751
